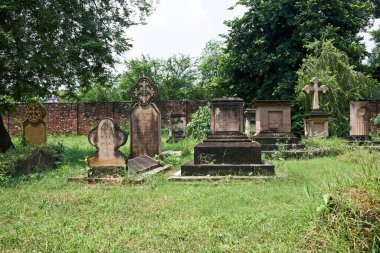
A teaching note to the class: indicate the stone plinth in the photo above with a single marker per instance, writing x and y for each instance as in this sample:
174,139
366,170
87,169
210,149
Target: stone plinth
107,137
177,127
316,123
273,125
227,151
359,119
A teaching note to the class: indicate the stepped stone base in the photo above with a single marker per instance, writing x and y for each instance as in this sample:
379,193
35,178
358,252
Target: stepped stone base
269,141
191,169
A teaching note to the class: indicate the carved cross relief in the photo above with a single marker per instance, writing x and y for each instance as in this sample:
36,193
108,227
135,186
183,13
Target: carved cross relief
314,88
144,91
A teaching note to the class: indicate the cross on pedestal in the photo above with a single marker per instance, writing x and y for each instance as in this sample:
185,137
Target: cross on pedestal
308,88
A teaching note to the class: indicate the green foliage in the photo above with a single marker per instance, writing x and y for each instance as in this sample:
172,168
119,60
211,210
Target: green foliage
265,46
175,76
10,161
47,44
6,103
326,147
345,83
376,120
349,219
199,127
96,92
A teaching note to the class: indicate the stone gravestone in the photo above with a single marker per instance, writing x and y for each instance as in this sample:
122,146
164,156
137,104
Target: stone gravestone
142,164
145,120
273,126
227,151
34,127
107,137
177,127
317,121
359,120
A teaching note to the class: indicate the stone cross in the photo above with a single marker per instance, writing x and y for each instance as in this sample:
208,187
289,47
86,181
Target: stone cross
308,88
144,91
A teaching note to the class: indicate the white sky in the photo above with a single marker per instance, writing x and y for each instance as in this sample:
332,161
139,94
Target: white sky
184,26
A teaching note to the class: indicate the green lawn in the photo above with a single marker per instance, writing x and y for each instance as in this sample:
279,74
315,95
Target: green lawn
46,213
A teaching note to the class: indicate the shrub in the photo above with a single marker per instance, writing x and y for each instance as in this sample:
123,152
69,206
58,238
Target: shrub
199,127
376,120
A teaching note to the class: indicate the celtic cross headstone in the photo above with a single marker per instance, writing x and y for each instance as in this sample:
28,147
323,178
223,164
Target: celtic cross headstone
34,127
314,88
145,120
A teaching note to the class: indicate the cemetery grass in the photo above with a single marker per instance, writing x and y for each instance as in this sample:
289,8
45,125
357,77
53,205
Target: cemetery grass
45,212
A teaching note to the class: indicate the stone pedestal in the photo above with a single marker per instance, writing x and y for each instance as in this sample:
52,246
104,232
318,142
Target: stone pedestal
273,125
177,127
316,123
227,151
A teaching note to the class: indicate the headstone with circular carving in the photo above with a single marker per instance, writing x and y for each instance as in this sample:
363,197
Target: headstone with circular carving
34,127
145,120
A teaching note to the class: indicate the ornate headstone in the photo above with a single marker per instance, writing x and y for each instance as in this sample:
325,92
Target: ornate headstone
317,121
34,127
145,120
177,127
107,137
227,150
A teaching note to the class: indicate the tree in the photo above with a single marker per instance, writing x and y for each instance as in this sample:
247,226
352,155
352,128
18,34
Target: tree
70,43
345,83
374,57
176,76
265,46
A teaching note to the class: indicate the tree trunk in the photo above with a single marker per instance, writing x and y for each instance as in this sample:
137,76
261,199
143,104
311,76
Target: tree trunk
5,138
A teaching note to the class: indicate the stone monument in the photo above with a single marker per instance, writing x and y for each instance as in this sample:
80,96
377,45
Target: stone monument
145,120
273,125
227,150
177,127
107,137
34,127
317,121
359,120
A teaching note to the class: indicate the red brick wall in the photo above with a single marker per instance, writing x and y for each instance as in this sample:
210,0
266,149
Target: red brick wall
374,110
80,118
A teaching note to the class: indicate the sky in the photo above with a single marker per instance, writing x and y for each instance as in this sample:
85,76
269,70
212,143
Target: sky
184,26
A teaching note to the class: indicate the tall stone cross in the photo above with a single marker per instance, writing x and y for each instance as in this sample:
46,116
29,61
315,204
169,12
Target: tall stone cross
308,88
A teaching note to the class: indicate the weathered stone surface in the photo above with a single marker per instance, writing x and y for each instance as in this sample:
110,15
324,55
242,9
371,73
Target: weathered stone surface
34,128
107,137
359,119
273,116
145,129
145,120
177,127
142,164
39,161
250,121
227,151
317,122
171,153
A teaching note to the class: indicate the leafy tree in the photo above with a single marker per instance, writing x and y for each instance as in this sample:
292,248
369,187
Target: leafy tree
96,93
265,46
345,84
374,57
71,43
176,76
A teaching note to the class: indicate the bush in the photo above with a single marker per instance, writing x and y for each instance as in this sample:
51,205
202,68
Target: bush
199,127
376,120
326,147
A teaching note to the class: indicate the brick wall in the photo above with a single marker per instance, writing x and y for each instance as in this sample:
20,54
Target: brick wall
374,110
80,118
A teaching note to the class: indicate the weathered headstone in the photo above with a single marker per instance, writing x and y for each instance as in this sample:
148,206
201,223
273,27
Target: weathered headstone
34,127
273,125
359,119
107,137
317,121
145,120
142,164
227,151
177,127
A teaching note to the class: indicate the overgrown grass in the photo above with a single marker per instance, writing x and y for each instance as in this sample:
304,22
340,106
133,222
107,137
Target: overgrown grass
49,214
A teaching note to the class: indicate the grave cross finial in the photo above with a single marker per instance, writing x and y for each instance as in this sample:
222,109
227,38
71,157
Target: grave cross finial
144,91
308,88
